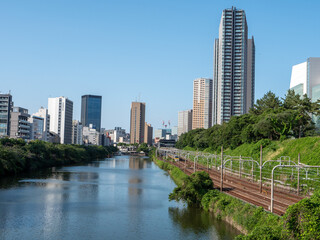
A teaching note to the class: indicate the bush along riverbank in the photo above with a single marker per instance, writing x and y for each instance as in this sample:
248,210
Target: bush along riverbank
301,220
18,156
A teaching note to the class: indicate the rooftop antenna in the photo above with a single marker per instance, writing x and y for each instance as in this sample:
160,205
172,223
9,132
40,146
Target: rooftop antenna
139,97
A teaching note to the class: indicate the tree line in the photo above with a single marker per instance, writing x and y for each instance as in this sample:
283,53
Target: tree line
272,118
18,156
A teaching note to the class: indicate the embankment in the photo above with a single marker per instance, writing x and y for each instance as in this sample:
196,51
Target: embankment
301,221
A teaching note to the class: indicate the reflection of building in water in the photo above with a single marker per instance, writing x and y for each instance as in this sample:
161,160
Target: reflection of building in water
137,163
134,188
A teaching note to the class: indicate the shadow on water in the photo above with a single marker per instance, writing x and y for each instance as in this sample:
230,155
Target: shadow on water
199,221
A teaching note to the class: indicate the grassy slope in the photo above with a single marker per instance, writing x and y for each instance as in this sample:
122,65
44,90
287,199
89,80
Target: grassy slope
308,147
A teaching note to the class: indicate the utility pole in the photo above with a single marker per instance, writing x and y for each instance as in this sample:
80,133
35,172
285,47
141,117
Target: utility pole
240,167
298,186
261,168
221,180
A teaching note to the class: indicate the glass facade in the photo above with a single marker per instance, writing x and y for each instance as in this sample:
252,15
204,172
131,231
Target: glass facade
91,111
298,89
5,106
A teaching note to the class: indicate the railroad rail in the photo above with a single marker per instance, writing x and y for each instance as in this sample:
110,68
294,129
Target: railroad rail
241,188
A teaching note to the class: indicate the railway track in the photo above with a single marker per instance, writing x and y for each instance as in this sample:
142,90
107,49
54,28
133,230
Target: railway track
243,189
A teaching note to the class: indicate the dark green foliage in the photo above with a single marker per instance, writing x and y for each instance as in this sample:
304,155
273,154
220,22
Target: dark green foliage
302,220
193,189
270,118
143,147
17,156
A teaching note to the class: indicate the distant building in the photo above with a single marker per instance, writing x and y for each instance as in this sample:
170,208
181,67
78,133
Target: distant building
5,108
184,121
77,132
19,125
60,110
174,130
53,137
43,113
137,122
305,79
161,133
91,111
148,132
234,67
202,103
37,128
91,136
117,134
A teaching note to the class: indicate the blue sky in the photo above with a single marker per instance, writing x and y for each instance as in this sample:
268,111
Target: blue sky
150,50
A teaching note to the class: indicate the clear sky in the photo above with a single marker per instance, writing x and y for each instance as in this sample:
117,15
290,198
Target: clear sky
151,50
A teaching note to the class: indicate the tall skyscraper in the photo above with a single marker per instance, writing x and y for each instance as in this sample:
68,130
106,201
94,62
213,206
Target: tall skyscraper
305,79
202,103
137,122
91,111
5,108
60,110
234,67
184,121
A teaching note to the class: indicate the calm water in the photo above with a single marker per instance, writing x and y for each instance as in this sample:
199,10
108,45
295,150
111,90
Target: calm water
120,198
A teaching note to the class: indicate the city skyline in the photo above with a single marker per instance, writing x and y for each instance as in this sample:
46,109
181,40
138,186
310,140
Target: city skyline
45,44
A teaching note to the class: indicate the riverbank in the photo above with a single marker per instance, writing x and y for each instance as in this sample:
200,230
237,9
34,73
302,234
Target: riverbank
301,221
17,156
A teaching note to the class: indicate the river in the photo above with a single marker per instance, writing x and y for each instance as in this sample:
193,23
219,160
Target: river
124,197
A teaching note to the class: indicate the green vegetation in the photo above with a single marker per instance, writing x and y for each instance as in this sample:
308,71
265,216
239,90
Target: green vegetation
301,220
17,156
143,147
270,118
193,188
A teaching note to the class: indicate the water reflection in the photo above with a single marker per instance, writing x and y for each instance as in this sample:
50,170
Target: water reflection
119,198
198,221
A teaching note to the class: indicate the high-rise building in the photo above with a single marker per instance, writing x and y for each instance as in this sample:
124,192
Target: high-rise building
60,110
148,133
19,125
5,108
43,113
234,67
91,111
202,103
37,128
184,121
77,132
305,79
137,122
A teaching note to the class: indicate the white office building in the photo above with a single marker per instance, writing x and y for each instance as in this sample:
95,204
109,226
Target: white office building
184,121
60,110
305,79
